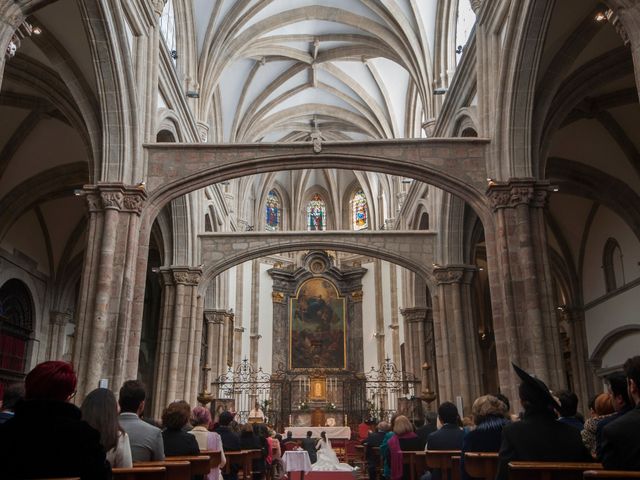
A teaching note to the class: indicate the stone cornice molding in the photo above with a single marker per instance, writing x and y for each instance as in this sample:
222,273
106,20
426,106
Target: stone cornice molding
115,196
415,314
454,274
238,329
515,192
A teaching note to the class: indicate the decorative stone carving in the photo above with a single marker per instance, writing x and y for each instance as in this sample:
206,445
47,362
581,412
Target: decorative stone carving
414,314
357,295
111,200
475,6
521,192
116,196
277,297
59,318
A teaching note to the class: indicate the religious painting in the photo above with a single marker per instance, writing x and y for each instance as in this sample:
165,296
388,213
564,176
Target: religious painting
318,388
317,326
219,405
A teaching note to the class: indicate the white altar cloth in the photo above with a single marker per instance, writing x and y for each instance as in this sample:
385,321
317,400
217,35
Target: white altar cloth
332,432
296,461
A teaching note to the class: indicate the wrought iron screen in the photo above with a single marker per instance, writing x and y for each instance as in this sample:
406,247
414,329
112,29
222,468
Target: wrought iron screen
385,387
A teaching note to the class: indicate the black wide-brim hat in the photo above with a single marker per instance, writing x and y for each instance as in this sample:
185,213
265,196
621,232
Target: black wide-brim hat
539,391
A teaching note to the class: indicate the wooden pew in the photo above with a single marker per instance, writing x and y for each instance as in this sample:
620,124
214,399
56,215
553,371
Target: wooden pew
176,470
481,464
199,463
610,474
441,459
139,473
456,468
550,470
243,458
215,457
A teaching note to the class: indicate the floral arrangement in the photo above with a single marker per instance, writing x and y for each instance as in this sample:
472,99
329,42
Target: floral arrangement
303,406
331,406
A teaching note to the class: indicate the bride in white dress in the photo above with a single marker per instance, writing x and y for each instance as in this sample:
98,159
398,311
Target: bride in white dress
327,458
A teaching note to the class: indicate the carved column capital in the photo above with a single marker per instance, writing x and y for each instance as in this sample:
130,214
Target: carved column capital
454,274
357,296
278,297
214,316
414,314
180,276
518,191
115,196
59,318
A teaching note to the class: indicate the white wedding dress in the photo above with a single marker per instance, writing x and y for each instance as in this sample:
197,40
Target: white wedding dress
328,460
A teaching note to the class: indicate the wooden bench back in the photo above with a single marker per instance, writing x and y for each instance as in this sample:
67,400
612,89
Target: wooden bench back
550,470
441,459
456,468
481,465
199,463
139,473
176,470
610,474
215,457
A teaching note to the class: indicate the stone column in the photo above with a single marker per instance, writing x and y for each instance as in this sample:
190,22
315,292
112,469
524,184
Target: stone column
10,19
280,332
584,380
379,332
215,334
180,337
394,327
106,291
226,350
254,337
418,327
239,313
355,335
626,21
458,336
58,322
525,326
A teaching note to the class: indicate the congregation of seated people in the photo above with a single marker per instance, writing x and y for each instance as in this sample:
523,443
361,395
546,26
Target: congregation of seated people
105,433
547,429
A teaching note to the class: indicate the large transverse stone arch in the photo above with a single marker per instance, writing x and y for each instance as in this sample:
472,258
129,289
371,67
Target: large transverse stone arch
456,165
412,250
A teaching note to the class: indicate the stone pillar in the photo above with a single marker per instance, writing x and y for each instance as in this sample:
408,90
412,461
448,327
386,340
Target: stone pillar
379,332
525,326
215,335
11,17
626,21
180,337
585,382
254,337
106,292
58,322
226,350
458,337
355,335
280,333
239,329
394,327
419,329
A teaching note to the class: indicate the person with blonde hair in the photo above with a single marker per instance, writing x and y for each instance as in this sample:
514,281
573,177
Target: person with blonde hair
404,439
490,415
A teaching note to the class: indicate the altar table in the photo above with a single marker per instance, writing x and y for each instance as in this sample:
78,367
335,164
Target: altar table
332,432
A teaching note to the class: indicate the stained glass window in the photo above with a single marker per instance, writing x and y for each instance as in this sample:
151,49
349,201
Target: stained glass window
360,219
316,214
272,212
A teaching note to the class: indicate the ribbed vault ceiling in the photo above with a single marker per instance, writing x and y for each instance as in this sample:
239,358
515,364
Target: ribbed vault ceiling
285,70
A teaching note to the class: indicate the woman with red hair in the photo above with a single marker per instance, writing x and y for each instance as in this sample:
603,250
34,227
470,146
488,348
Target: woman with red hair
68,446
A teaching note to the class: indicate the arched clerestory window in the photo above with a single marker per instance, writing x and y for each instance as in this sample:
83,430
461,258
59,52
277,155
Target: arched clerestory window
16,325
359,211
273,212
464,24
168,29
316,213
612,265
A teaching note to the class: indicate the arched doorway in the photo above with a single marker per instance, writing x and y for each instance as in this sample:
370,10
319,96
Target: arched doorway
16,327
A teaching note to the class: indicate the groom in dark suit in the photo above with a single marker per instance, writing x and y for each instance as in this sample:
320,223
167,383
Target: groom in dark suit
309,444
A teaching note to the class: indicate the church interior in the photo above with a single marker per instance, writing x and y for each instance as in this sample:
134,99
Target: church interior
336,209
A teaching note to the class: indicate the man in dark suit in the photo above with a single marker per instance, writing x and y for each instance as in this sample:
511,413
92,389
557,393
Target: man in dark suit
424,428
539,436
621,438
289,443
449,437
374,439
617,383
230,442
309,444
